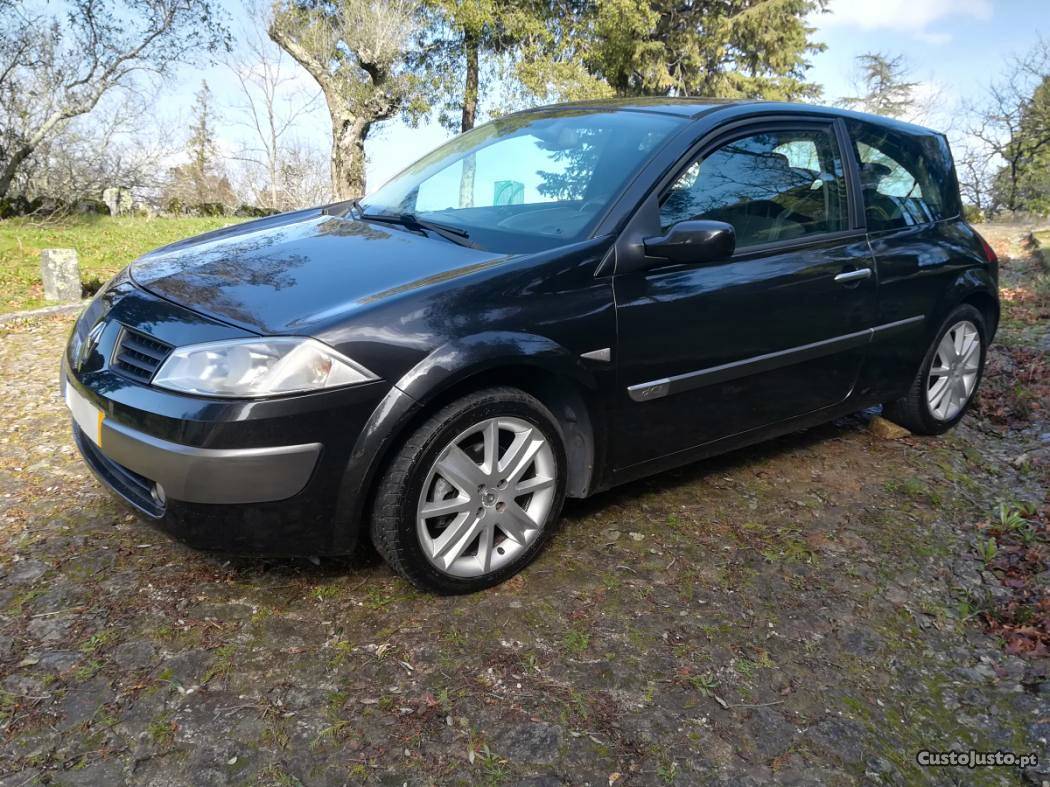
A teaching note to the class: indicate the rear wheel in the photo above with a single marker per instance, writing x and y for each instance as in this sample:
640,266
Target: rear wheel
471,496
944,387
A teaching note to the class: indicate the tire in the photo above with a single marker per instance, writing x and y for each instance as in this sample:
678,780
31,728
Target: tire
914,410
429,491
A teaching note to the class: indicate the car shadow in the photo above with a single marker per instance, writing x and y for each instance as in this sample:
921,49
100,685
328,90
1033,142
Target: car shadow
366,564
730,461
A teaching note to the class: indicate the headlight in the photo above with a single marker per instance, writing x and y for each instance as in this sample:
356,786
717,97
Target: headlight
258,367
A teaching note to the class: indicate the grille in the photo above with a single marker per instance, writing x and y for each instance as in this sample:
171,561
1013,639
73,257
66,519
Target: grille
138,355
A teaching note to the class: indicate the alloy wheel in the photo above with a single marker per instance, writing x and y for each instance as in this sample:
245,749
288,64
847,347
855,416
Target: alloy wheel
953,373
487,497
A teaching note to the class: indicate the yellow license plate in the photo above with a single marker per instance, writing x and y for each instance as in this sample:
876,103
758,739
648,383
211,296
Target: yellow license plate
88,417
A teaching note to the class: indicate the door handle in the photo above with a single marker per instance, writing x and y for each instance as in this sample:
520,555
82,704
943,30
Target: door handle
847,276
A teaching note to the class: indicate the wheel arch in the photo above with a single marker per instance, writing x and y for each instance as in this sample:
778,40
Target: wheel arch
537,365
976,287
564,396
987,305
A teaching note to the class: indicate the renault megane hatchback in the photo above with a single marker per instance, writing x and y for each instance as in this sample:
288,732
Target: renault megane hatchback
551,304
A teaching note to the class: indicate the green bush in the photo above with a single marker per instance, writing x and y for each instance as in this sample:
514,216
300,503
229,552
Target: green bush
91,284
208,209
95,206
254,211
13,206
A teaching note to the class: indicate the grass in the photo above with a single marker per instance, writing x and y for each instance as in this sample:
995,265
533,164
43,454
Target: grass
1042,284
104,245
576,641
162,730
222,666
1042,240
705,684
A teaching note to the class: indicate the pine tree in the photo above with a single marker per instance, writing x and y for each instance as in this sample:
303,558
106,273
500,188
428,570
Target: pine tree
201,144
716,48
201,185
887,90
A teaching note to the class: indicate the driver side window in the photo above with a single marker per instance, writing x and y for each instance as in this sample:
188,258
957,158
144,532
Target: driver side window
771,186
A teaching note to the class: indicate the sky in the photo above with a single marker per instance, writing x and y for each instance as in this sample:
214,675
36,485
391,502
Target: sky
953,47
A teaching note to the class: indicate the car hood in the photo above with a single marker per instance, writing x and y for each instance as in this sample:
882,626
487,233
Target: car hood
297,273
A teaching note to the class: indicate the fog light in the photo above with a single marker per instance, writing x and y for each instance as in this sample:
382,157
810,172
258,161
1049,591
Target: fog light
157,493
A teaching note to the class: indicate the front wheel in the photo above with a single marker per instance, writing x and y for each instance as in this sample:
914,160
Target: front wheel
944,387
471,496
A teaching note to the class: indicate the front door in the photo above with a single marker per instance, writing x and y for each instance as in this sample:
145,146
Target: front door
779,329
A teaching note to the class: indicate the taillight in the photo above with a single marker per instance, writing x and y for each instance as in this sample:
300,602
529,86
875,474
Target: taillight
989,252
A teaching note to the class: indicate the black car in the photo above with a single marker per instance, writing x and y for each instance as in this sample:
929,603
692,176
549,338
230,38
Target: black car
554,303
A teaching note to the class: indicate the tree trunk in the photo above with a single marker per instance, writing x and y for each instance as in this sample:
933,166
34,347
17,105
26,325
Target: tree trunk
7,175
274,164
11,168
1013,185
348,156
471,46
466,182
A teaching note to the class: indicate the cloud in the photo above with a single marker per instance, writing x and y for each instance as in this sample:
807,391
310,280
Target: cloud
934,38
910,17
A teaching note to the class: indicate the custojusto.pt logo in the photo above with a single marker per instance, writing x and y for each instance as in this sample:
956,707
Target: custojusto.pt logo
975,759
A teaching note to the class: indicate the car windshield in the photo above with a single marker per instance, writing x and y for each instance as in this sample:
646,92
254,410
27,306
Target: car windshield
524,182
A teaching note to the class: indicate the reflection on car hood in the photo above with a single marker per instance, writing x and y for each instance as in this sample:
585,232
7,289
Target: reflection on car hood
298,272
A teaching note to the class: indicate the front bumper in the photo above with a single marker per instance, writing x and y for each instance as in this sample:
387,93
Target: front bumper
244,476
196,475
213,475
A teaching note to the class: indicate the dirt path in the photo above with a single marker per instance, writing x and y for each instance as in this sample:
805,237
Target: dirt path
808,611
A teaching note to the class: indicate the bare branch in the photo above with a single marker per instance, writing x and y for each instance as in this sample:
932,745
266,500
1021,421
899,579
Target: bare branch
270,108
52,72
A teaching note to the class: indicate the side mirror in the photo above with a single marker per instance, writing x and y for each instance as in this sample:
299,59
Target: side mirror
694,242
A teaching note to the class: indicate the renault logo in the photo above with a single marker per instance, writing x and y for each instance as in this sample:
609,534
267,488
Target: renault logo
90,342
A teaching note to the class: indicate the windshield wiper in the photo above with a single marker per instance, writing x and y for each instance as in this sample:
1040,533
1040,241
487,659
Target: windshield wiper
413,222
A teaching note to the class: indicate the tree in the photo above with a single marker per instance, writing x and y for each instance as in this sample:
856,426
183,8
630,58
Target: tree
885,85
1033,176
203,180
52,71
975,171
357,51
717,48
270,109
1013,123
119,143
304,175
457,36
202,148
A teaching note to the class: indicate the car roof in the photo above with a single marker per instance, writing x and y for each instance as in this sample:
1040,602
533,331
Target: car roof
695,107
664,105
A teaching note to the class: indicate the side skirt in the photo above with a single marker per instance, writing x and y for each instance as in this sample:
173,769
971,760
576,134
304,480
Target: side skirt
733,442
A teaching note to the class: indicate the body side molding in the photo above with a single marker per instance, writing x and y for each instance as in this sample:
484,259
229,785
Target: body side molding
657,389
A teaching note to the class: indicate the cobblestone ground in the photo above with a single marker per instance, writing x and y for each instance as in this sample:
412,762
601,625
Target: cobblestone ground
806,611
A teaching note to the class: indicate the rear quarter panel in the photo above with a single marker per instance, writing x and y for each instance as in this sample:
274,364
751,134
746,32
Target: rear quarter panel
926,270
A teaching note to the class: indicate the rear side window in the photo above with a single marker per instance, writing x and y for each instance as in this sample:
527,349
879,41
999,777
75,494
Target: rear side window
906,180
771,186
